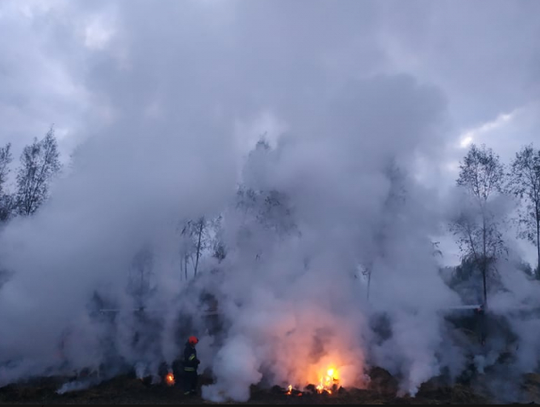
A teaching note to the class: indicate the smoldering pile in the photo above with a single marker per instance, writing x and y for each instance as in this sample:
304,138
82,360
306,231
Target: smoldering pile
126,388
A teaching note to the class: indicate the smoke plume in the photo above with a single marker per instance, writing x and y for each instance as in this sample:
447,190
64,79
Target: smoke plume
327,226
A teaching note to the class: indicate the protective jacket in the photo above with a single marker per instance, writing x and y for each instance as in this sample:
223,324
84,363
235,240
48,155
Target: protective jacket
191,363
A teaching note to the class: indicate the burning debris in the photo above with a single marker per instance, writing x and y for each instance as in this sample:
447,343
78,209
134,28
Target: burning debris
309,389
328,384
292,392
169,379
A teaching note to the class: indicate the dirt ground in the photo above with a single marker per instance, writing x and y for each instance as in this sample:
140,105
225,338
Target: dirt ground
127,389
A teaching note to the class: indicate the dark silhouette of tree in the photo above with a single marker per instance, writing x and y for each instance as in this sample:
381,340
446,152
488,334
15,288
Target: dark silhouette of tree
477,229
524,183
39,164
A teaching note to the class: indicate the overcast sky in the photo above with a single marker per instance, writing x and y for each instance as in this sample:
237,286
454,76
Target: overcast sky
89,65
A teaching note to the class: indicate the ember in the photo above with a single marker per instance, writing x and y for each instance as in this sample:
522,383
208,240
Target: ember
169,379
291,391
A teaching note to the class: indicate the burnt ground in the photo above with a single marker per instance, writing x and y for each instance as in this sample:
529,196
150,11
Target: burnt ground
127,389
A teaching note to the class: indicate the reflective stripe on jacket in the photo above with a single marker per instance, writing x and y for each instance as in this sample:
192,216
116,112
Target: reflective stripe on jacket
190,358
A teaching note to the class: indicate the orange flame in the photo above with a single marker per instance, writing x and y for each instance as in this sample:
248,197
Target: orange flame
327,381
169,379
290,389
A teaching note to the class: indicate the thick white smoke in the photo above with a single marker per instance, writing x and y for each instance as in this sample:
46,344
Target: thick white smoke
171,94
336,189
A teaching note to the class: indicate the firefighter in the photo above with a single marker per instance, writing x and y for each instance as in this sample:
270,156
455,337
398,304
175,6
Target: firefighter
191,363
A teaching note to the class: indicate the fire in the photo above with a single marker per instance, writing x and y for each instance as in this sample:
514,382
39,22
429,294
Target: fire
294,392
327,381
169,379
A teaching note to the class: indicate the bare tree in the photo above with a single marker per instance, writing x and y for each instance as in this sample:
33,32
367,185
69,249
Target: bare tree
197,237
39,164
219,250
196,240
5,198
478,229
5,159
276,212
200,227
265,211
524,183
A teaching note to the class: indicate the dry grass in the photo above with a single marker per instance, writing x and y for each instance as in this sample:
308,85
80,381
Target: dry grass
127,389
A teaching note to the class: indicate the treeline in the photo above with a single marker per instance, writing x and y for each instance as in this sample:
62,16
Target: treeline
498,201
498,198
39,163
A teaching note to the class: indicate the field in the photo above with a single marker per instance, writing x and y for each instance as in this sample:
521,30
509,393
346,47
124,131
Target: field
127,389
